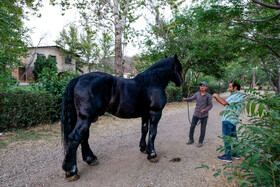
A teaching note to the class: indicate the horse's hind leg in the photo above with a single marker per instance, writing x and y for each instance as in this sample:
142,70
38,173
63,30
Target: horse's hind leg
144,131
75,138
87,153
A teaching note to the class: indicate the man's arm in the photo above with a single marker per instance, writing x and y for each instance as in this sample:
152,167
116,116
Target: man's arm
220,100
209,104
190,98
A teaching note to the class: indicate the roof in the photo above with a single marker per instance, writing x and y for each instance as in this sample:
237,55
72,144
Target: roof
51,46
46,46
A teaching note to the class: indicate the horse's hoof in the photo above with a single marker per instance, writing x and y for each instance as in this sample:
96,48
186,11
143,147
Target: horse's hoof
153,160
72,178
144,152
94,163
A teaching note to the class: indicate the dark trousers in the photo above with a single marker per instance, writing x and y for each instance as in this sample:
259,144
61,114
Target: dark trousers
202,129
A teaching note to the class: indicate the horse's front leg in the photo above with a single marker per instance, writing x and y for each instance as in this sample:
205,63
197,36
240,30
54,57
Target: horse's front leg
70,163
155,117
144,131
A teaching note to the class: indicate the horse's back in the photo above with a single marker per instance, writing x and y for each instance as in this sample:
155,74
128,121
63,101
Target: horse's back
92,94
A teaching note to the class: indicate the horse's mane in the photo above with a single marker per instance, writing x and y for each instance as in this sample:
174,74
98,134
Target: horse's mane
159,74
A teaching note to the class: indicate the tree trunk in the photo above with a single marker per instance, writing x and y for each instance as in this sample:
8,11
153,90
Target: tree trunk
184,74
278,86
120,22
254,79
196,76
118,52
242,78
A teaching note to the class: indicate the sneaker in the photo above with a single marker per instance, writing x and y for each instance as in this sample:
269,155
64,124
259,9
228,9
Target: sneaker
199,144
225,158
235,156
190,142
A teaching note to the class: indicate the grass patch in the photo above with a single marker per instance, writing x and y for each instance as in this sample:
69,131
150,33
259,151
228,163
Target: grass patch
46,133
20,88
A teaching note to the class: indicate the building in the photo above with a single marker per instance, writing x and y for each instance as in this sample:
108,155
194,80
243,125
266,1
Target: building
63,62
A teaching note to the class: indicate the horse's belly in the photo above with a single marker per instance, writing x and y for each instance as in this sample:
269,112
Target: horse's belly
126,113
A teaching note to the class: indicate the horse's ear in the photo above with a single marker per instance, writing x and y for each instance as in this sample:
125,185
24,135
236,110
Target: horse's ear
175,57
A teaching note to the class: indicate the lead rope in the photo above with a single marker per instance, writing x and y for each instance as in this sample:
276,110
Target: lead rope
199,121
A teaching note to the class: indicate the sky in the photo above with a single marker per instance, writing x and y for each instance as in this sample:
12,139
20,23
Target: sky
51,23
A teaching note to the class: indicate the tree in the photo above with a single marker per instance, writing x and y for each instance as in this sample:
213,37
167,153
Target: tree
114,15
43,62
91,50
13,35
197,44
256,26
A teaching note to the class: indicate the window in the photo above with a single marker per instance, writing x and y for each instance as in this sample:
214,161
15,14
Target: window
68,60
40,55
54,57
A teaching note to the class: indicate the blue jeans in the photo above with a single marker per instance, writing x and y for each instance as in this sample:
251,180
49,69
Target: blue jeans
202,129
229,130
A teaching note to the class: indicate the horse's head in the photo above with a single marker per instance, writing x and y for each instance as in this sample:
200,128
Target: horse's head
177,77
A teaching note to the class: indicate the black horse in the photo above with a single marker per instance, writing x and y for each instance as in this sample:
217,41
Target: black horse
91,95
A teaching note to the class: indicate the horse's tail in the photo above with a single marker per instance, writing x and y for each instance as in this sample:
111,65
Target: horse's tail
69,116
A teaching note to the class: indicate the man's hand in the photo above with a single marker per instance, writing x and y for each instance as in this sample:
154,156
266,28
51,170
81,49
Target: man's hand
215,95
202,111
184,99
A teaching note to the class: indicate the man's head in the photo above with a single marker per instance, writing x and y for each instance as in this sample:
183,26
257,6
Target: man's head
234,86
203,86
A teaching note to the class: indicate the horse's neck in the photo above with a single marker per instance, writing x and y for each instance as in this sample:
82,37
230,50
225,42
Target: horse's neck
154,79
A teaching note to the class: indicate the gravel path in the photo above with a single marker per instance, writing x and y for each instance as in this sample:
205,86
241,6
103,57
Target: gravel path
115,143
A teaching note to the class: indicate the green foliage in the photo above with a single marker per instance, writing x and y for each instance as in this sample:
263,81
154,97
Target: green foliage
24,108
6,79
255,31
43,62
13,35
258,143
54,83
173,93
49,79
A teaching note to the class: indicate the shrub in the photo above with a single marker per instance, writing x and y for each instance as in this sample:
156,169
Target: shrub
43,62
6,79
173,93
26,108
54,83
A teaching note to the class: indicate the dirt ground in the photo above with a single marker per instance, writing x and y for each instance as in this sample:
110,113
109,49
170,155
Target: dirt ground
115,142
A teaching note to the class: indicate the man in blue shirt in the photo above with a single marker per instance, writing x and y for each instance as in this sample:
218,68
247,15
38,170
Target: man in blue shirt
203,105
230,116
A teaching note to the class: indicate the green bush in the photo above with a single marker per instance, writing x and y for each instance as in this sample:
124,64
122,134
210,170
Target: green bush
173,93
54,83
43,62
6,79
26,108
